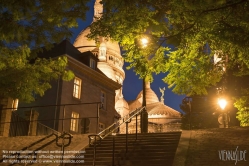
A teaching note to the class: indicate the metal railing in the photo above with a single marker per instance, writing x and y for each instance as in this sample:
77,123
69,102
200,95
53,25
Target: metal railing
95,139
62,144
20,126
45,130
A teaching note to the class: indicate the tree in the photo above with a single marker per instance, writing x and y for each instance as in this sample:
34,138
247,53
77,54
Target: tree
243,113
197,30
30,25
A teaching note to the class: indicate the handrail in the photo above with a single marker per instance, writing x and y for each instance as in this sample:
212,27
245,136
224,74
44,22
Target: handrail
32,144
125,119
52,130
95,139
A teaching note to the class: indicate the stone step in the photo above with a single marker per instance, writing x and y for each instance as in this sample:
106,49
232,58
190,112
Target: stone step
119,154
140,149
137,162
145,136
153,149
158,140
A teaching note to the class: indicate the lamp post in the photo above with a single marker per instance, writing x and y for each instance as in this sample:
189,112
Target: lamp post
144,114
113,149
222,103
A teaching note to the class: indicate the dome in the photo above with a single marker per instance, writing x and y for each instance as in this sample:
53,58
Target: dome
107,70
161,109
84,44
151,96
121,103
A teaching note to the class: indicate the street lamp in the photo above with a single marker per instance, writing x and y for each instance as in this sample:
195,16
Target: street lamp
144,42
113,148
222,103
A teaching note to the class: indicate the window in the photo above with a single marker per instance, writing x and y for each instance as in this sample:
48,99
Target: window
77,88
92,63
102,51
74,122
103,100
101,127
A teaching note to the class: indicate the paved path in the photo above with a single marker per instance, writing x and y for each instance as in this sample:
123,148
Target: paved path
207,146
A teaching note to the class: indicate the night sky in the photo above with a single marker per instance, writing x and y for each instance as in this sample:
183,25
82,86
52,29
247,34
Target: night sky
132,84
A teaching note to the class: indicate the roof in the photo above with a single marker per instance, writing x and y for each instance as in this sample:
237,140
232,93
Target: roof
85,44
161,109
58,49
75,59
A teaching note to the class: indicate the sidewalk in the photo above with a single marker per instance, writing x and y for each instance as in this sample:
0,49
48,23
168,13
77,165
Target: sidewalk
205,147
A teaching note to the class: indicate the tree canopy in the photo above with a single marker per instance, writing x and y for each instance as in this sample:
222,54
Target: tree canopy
183,38
196,29
25,27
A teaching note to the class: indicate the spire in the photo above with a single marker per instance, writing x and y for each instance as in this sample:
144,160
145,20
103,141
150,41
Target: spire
98,9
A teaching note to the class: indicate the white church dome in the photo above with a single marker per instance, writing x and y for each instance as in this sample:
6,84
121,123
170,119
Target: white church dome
121,103
85,44
151,96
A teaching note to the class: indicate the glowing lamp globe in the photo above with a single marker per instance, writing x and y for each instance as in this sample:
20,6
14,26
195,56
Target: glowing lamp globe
144,42
222,103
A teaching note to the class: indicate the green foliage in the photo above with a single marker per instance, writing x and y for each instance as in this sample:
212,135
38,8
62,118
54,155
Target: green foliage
242,104
29,25
183,35
196,29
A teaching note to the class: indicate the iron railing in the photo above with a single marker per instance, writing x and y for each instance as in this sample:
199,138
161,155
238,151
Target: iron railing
45,130
20,126
95,139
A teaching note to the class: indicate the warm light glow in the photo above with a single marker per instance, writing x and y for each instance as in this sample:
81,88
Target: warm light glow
144,42
222,103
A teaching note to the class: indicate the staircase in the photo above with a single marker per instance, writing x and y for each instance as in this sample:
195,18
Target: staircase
151,149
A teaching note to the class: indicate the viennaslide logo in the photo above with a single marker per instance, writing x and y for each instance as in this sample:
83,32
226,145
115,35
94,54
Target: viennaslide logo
232,155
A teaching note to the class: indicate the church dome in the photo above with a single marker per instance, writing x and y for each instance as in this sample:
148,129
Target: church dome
84,44
151,96
121,103
161,109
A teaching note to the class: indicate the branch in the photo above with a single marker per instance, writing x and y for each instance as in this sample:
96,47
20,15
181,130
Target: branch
223,7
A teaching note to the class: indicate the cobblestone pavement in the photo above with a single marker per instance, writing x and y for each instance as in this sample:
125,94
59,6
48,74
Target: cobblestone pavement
211,147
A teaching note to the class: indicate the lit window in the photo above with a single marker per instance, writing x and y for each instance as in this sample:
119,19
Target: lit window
74,122
103,100
92,63
77,88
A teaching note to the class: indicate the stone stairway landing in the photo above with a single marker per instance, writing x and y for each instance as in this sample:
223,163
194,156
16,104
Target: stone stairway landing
151,149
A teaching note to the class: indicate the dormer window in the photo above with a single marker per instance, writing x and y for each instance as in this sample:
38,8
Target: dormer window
92,63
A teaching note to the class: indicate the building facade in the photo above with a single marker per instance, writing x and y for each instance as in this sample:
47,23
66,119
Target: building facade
98,81
111,64
82,105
